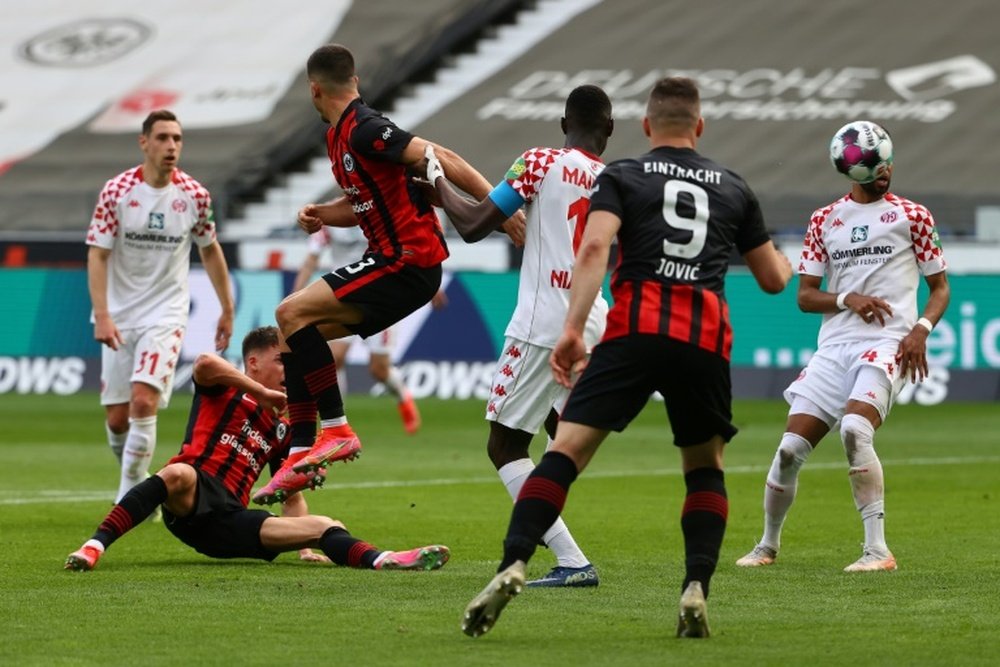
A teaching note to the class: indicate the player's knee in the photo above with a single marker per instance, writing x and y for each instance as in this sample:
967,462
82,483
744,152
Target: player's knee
325,523
284,314
793,451
857,435
118,422
506,445
176,476
144,402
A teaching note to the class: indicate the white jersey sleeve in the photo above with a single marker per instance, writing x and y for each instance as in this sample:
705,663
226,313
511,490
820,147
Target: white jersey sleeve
555,185
149,232
878,249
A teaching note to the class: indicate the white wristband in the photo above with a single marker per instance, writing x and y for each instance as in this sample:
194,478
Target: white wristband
926,323
840,301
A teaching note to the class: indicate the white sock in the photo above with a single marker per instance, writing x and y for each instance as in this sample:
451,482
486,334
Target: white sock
781,485
116,441
557,538
331,423
138,453
94,543
867,480
394,384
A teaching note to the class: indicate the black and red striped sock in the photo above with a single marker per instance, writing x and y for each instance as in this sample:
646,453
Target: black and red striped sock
132,509
344,549
301,406
703,522
538,505
318,369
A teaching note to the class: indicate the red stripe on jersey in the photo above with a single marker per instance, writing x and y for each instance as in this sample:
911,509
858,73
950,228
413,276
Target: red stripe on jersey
681,299
711,319
231,438
650,303
727,332
617,325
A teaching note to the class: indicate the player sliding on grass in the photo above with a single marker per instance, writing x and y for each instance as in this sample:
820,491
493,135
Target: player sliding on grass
233,431
872,246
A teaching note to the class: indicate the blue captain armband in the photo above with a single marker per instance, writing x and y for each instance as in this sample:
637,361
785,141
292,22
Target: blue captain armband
506,198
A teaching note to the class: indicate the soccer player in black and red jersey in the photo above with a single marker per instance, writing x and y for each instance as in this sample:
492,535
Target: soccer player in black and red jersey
677,216
234,430
400,271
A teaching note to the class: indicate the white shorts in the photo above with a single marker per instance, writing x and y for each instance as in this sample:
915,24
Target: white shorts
850,371
524,391
148,356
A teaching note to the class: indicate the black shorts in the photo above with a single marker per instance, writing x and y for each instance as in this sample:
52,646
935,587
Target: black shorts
220,526
624,372
385,290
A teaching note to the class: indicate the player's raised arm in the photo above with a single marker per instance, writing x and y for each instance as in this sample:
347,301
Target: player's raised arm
770,267
211,369
474,221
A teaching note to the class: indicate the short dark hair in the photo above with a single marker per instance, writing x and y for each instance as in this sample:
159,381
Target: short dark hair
674,100
154,116
261,338
330,65
588,108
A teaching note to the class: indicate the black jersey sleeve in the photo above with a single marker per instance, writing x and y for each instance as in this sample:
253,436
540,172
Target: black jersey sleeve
209,390
751,233
378,138
607,192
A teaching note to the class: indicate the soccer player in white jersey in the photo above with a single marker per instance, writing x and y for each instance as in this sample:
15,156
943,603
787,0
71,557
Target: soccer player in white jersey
872,247
345,245
137,272
553,184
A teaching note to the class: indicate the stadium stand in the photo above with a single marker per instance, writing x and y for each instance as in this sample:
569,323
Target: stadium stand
777,79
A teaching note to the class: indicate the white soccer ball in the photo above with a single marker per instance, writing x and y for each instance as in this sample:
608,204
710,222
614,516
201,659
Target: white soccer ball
861,150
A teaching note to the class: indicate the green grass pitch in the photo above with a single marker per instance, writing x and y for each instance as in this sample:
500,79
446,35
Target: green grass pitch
153,601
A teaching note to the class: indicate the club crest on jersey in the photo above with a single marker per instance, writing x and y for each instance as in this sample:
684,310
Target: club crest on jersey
179,205
859,234
156,220
281,430
348,162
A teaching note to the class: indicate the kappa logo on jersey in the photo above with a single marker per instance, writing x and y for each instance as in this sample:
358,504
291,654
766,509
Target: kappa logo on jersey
179,205
132,203
516,170
837,222
156,220
859,234
348,162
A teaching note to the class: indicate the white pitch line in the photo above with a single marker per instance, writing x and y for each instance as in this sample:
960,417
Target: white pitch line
76,496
